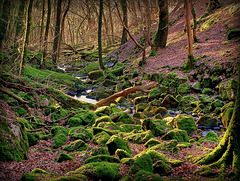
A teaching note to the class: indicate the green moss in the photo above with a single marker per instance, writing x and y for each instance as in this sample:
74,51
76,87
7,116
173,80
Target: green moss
32,139
155,93
214,19
207,120
175,163
185,122
139,138
184,145
64,157
152,142
233,34
102,158
115,143
184,88
207,91
165,146
100,171
94,75
59,140
97,130
81,133
130,127
125,118
162,168
226,116
99,151
144,175
143,162
211,136
74,122
76,145
101,138
76,177
179,135
102,119
157,129
120,153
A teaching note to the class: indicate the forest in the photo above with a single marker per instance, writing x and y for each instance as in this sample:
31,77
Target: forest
130,90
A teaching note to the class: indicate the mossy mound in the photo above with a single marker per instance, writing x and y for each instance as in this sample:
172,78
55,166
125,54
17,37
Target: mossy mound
102,119
110,126
102,158
211,136
99,151
177,134
152,142
102,111
124,118
165,146
141,107
99,171
77,177
162,168
233,34
60,136
81,133
143,162
139,138
185,122
169,102
101,138
130,127
207,120
184,88
140,99
144,175
36,174
64,157
32,138
115,143
94,75
120,153
76,145
157,129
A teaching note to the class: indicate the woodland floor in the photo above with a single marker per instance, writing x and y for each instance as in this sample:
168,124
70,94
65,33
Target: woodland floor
210,44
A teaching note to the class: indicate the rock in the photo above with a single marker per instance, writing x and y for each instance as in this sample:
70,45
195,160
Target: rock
177,134
94,75
185,122
124,118
233,34
104,110
169,102
196,87
207,91
162,168
110,126
207,120
78,145
210,137
99,151
120,153
101,138
154,94
165,146
147,176
60,136
149,124
81,133
102,158
143,162
102,119
152,142
141,106
139,138
115,143
64,157
184,88
108,82
140,99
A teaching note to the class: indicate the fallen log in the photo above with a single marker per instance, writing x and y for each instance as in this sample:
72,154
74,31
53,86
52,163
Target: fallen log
125,92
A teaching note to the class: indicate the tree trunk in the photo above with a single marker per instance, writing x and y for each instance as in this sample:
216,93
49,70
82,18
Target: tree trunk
189,34
43,62
195,39
4,21
100,35
106,29
19,23
26,37
213,4
160,40
125,21
148,21
228,150
111,21
42,23
57,33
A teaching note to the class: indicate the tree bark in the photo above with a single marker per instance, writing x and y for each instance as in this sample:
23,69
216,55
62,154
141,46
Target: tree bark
100,35
160,40
42,22
45,44
228,150
125,21
4,21
195,39
57,33
189,35
26,37
111,21
19,22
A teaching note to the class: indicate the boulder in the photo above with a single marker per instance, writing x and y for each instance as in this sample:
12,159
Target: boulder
94,75
162,168
185,122
78,145
139,138
64,157
81,133
149,124
169,102
207,120
177,134
102,158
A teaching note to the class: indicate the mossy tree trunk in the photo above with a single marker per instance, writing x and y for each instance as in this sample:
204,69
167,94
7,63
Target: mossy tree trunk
125,21
228,150
45,44
100,35
162,33
26,37
4,21
213,4
189,35
57,33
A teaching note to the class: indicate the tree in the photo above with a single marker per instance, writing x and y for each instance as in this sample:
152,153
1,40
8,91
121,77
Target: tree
195,39
213,4
189,35
26,37
57,33
100,35
125,21
42,22
162,32
43,61
228,150
4,21
19,22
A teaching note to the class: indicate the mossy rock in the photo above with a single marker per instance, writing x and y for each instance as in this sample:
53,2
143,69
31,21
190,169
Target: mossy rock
114,109
99,151
141,107
36,174
139,115
102,119
101,138
125,118
104,110
110,126
146,176
115,143
155,155
81,133
102,158
233,34
87,117
169,101
97,130
175,163
177,134
207,120
139,138
64,157
226,116
74,121
207,91
130,127
120,154
197,87
149,124
94,75
140,99
99,171
32,138
143,162
78,145
58,113
184,145
152,142
211,136
185,122
77,177
117,71
59,130
59,140
184,88
162,168
165,146
154,94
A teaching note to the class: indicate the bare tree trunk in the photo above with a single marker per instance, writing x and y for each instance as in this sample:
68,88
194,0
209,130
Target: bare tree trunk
195,39
100,35
45,45
26,37
106,29
189,34
42,22
19,23
125,21
111,21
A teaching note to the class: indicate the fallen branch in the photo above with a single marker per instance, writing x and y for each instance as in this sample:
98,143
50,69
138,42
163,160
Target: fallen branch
125,92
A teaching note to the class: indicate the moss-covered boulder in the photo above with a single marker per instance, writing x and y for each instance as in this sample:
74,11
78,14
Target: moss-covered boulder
122,117
155,155
101,111
184,88
101,138
141,106
152,142
36,174
78,145
64,157
110,126
114,109
144,175
139,138
81,133
120,154
177,134
74,121
162,168
99,151
197,87
102,158
76,177
102,119
60,136
94,75
32,138
157,129
140,99
165,146
115,143
207,120
185,122
99,171
143,162
211,136
207,91
169,102
130,127
154,94
97,130
233,34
